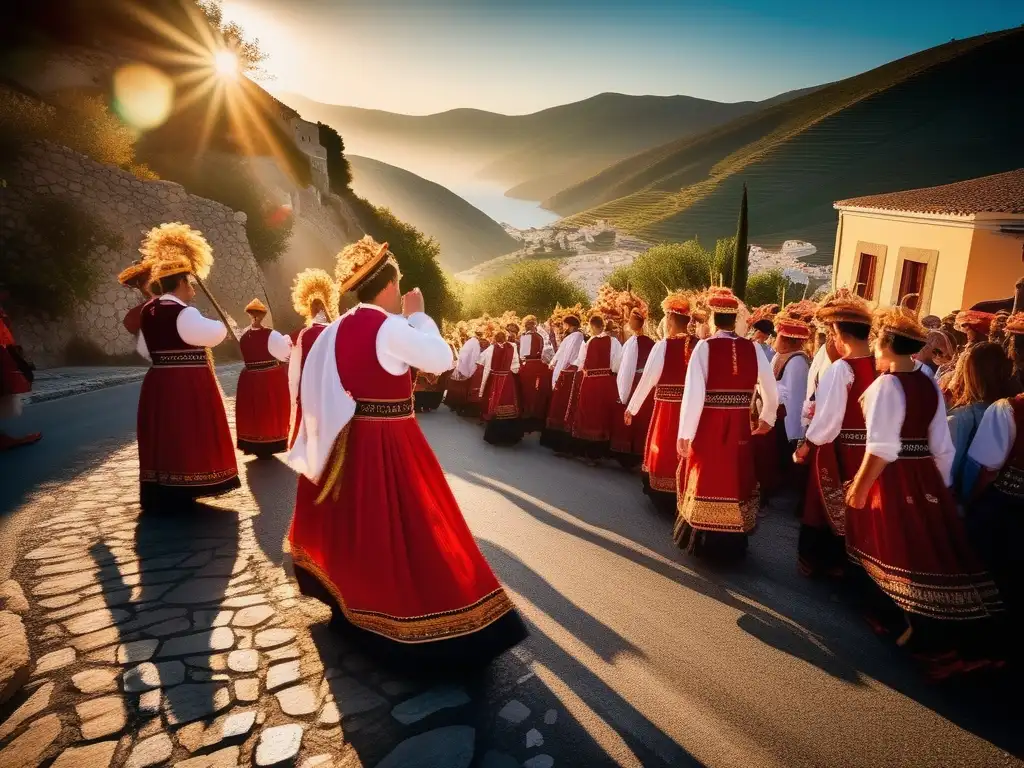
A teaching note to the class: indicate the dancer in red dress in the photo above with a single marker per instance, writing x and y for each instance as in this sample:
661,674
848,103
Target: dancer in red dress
384,541
136,276
15,380
629,435
474,404
717,500
185,447
597,363
902,523
465,362
836,436
502,413
661,388
556,434
262,402
534,377
315,299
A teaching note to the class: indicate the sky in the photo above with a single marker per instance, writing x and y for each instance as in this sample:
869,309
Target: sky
519,56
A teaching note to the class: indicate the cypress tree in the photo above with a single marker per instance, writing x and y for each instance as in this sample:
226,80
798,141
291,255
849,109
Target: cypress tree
741,258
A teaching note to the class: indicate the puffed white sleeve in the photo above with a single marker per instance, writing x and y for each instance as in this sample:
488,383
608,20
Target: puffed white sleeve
885,408
995,436
581,357
140,346
280,346
830,403
650,377
514,367
768,387
616,355
486,358
414,342
694,391
940,441
627,369
199,331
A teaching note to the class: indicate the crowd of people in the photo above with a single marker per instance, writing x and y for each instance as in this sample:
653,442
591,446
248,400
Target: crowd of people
894,436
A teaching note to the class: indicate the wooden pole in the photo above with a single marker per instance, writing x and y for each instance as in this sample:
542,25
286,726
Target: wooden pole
220,311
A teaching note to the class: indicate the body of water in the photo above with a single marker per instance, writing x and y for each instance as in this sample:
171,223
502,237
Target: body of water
491,199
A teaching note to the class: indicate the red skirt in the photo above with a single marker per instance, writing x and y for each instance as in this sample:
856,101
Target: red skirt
535,389
772,456
389,548
262,410
592,419
185,448
457,393
474,400
661,457
501,400
630,442
555,435
912,543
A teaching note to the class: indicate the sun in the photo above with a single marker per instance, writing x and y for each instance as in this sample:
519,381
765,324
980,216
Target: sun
225,64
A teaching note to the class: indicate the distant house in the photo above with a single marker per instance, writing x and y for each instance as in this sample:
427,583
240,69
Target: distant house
955,245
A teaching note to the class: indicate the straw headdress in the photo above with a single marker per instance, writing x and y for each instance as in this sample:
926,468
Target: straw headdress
176,249
360,262
310,285
795,321
843,306
764,313
136,272
256,306
678,303
721,300
1015,324
975,320
899,321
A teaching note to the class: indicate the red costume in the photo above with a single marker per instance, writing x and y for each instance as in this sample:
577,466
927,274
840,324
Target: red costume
501,398
629,441
387,545
773,455
661,457
262,403
909,537
822,542
302,343
535,384
596,401
133,319
185,447
474,400
13,380
717,500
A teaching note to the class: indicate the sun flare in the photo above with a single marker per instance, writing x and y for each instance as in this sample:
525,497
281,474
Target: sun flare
225,64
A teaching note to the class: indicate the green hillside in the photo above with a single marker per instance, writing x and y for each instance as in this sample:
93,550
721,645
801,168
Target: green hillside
937,116
467,236
535,155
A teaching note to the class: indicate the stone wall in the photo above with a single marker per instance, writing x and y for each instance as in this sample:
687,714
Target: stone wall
130,207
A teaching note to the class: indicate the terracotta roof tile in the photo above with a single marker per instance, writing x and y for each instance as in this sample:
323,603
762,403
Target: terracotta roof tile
1000,193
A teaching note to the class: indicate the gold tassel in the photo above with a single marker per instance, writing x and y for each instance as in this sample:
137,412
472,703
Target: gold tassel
334,475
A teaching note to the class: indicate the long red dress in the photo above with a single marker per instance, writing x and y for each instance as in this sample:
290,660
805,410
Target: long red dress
717,500
908,537
502,412
185,447
558,424
821,546
772,453
388,546
302,342
474,400
598,395
661,457
535,385
262,402
629,440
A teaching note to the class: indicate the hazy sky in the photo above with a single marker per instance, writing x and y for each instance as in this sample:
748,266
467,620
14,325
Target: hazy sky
518,56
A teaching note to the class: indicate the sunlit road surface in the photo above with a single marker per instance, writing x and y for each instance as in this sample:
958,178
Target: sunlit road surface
649,657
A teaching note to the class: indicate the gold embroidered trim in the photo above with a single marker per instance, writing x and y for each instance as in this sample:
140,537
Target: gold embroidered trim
384,409
262,365
179,478
261,439
185,358
832,491
855,437
593,373
707,513
1011,482
915,449
728,399
412,629
668,393
665,484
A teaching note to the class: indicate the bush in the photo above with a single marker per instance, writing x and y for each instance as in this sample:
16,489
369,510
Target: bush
228,180
772,287
47,265
339,173
530,287
417,255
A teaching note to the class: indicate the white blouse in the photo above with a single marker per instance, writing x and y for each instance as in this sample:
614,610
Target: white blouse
792,388
830,403
526,346
885,408
696,387
649,378
819,365
627,368
995,436
486,358
468,356
566,354
193,328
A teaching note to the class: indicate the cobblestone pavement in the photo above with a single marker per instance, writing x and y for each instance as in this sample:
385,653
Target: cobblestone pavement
177,641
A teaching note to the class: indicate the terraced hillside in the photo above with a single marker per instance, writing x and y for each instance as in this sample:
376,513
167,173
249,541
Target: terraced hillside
467,235
945,114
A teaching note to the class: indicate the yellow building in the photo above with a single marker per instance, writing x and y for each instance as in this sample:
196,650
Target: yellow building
955,245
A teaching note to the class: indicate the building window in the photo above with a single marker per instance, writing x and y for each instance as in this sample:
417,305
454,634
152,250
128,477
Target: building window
912,281
865,283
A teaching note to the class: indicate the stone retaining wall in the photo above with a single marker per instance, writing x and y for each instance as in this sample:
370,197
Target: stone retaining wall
130,207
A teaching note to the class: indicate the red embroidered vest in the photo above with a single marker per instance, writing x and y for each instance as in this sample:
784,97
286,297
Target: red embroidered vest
360,371
678,350
855,430
159,328
501,358
255,343
732,373
922,400
599,356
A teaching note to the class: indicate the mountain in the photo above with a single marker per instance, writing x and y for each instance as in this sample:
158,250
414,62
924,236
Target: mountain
944,114
535,155
467,235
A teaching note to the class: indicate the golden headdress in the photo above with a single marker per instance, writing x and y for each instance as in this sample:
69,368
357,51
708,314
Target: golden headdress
256,306
361,261
136,272
630,305
529,319
722,301
678,303
899,321
795,321
1015,323
559,314
843,306
176,249
764,313
981,322
510,318
310,285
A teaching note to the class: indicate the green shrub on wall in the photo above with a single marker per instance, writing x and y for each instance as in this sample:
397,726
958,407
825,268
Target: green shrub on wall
531,287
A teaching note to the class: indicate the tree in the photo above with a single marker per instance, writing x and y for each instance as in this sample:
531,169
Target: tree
531,287
339,172
251,56
741,257
772,287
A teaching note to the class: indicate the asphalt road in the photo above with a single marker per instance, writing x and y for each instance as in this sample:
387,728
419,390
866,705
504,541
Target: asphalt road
660,660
